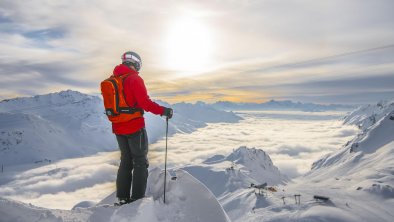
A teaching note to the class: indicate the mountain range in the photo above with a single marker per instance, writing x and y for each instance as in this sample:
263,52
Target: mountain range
281,105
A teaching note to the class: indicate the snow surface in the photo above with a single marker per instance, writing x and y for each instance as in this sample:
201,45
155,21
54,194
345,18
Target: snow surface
186,200
366,162
367,115
238,170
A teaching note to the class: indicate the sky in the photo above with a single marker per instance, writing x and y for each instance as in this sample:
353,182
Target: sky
235,50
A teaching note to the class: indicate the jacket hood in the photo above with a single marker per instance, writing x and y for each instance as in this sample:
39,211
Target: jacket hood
123,69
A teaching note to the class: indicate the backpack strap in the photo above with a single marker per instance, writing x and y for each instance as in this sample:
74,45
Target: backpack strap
129,109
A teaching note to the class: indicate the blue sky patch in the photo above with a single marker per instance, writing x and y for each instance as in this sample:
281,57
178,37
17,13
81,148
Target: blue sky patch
45,34
4,19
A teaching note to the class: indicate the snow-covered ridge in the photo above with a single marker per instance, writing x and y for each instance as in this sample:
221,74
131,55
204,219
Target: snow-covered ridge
368,115
376,123
237,171
57,98
230,178
53,126
367,161
71,124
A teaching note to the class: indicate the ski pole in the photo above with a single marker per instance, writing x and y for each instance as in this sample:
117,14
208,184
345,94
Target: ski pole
165,162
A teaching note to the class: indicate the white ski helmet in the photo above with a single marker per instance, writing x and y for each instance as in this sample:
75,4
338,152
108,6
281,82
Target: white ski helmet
132,58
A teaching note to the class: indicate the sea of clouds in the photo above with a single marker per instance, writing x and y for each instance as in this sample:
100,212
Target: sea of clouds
293,139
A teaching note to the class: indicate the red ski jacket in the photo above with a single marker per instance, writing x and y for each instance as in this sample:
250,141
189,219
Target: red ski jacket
136,94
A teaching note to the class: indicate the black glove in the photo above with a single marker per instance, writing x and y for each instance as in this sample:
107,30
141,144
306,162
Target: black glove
168,112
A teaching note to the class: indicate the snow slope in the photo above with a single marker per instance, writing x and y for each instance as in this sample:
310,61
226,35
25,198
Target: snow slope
53,126
366,116
71,124
359,177
368,160
186,200
223,175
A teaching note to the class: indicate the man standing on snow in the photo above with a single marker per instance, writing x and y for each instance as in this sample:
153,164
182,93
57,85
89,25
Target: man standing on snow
131,135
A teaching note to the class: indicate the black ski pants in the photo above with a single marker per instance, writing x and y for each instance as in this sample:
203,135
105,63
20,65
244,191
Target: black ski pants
133,166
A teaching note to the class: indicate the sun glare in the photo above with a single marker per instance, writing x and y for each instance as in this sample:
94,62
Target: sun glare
188,46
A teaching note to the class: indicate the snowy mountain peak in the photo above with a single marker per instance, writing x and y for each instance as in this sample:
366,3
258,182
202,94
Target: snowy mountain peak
368,115
250,159
377,126
57,98
237,171
244,155
70,95
376,136
258,165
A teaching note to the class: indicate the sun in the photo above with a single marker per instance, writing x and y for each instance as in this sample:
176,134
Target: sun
188,46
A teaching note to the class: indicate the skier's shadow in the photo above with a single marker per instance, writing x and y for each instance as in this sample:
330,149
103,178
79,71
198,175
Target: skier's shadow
328,203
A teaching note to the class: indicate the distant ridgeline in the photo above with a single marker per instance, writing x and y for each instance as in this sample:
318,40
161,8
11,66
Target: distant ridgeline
281,105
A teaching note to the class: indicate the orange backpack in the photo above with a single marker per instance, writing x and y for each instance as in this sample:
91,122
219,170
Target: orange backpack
116,107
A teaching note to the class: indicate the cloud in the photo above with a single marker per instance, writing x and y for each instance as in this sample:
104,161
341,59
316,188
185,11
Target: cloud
24,76
293,150
353,89
256,48
72,180
287,168
293,143
341,77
